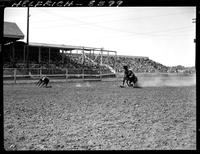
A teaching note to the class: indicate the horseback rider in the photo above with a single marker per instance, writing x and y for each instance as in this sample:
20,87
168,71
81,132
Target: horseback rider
129,76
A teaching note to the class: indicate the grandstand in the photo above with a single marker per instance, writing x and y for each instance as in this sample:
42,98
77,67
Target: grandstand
52,56
18,54
40,55
41,58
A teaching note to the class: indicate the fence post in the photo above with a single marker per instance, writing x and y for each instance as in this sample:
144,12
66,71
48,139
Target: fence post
40,72
66,74
100,72
83,73
15,72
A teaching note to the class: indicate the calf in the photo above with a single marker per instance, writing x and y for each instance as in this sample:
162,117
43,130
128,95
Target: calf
43,81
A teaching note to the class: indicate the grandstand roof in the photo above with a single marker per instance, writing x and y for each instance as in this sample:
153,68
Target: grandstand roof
12,32
66,47
61,46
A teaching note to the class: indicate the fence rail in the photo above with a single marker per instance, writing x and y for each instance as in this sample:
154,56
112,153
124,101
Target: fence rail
15,74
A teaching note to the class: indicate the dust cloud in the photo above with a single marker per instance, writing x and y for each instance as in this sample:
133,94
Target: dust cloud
86,84
173,81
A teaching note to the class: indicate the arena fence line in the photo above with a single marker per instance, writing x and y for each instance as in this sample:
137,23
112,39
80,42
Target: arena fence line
15,74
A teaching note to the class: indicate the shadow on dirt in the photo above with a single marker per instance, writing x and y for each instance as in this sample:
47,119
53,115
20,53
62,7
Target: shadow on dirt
130,86
45,87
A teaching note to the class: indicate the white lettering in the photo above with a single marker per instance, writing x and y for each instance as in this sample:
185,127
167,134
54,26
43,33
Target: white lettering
69,4
91,3
60,3
31,4
53,3
47,3
111,3
24,4
17,4
39,3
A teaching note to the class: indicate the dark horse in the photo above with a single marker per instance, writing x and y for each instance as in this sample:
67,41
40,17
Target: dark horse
43,81
129,77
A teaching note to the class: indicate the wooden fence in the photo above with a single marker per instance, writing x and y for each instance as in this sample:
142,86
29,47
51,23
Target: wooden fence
15,74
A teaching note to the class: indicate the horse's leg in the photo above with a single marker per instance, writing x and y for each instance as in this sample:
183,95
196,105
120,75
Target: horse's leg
43,83
37,83
123,81
40,82
47,81
130,82
127,82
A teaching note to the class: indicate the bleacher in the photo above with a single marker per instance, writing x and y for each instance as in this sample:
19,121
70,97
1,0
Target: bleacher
75,61
137,64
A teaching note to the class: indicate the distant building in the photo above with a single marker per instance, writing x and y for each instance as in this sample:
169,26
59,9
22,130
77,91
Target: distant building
12,33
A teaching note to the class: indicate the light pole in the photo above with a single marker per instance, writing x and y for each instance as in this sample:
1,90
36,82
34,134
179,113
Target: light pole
27,42
28,26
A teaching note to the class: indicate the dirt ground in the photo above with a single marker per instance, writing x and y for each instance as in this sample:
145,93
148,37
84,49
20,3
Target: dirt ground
99,116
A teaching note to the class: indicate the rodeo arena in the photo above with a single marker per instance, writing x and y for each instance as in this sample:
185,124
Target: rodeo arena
64,97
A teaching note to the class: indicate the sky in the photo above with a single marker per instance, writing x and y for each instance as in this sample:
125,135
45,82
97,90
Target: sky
164,34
